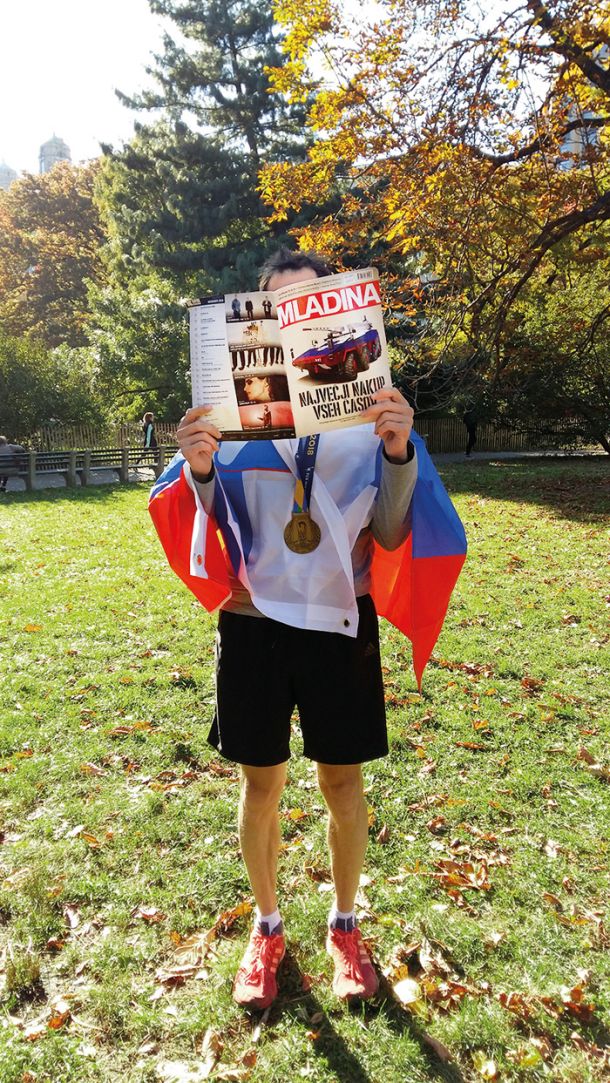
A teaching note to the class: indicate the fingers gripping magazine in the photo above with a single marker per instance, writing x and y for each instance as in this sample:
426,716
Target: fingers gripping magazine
305,359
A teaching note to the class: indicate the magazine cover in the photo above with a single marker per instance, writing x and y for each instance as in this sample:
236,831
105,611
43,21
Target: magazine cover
305,359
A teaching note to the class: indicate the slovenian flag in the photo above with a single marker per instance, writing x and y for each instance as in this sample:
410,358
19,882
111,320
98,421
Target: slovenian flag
411,585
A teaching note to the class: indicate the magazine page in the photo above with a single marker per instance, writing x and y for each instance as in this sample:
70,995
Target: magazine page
237,366
335,349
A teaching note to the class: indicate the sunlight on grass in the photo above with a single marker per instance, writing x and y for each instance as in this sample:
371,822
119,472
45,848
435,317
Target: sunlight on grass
487,872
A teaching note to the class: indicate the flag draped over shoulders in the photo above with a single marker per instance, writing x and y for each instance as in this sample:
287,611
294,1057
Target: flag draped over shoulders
411,585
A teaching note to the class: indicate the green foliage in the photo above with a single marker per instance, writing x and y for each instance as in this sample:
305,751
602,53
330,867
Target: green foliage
140,340
38,385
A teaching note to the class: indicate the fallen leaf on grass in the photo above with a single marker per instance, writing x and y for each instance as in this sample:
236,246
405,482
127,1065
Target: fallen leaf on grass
531,685
518,1004
383,836
72,916
590,1049
317,873
599,770
211,1051
494,939
573,1000
191,952
150,914
55,944
552,900
34,1030
91,769
428,768
437,825
432,801
472,669
463,875
32,628
60,1013
17,878
91,840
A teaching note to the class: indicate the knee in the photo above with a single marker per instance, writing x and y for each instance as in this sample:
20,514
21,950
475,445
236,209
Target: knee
343,793
260,795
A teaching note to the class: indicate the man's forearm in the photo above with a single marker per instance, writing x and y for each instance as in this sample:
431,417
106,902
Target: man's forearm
390,523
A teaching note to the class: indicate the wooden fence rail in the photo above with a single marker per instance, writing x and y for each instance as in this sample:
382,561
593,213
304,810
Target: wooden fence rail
446,434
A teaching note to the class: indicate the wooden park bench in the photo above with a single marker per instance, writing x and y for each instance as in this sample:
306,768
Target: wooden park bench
82,465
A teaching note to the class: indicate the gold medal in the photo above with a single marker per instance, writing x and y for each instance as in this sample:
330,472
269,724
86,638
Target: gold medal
302,534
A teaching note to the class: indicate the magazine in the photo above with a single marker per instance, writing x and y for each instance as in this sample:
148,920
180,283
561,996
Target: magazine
304,359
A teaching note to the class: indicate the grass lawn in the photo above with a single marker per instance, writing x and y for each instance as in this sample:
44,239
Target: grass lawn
123,900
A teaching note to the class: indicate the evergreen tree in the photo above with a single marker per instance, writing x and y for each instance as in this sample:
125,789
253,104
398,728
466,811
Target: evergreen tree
180,201
183,194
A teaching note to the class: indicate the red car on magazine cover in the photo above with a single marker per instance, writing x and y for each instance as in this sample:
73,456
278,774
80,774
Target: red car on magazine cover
342,354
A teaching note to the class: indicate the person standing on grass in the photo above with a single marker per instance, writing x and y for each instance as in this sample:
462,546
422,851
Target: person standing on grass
9,457
297,626
148,431
470,421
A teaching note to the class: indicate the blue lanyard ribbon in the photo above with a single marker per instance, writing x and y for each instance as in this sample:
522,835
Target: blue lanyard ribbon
305,458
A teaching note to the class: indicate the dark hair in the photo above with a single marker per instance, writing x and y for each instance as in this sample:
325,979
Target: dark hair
277,384
286,260
148,416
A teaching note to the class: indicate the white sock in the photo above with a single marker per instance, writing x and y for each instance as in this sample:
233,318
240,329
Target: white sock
268,923
338,919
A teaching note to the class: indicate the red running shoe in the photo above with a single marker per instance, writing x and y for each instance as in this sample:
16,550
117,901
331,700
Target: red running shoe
255,984
354,972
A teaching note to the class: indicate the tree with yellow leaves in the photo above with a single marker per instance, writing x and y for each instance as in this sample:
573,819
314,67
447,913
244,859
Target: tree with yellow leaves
471,155
50,244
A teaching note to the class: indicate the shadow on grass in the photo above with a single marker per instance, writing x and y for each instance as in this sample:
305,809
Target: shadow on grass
303,1007
576,490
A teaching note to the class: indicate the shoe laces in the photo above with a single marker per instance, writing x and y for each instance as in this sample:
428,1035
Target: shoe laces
262,951
349,946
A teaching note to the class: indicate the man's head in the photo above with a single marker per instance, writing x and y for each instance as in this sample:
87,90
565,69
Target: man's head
285,267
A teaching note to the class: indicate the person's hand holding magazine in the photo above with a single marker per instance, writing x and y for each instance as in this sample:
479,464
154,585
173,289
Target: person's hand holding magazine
198,440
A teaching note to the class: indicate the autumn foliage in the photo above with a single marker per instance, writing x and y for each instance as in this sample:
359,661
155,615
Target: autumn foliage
470,154
50,239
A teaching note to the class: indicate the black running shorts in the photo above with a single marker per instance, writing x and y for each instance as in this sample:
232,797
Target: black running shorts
264,669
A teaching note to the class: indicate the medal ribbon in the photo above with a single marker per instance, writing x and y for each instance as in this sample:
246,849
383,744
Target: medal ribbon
305,459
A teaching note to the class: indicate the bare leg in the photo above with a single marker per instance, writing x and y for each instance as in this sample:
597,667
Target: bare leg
342,789
259,830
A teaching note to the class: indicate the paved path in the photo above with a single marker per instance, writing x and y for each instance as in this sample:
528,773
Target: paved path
495,456
49,480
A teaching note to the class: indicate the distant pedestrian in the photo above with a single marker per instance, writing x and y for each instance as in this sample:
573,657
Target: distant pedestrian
150,439
9,458
148,429
470,421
